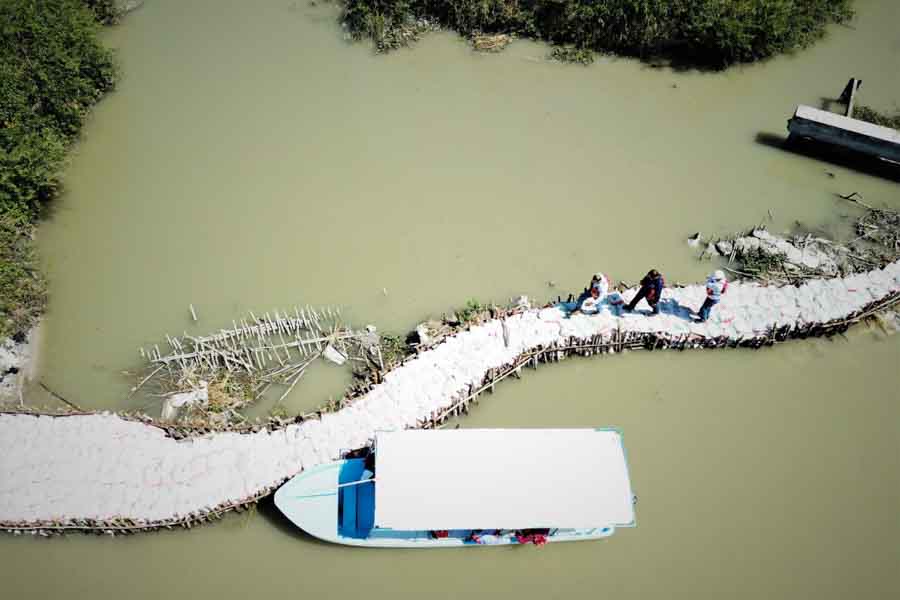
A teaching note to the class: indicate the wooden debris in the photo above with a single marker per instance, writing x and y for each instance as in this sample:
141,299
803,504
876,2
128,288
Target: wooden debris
484,42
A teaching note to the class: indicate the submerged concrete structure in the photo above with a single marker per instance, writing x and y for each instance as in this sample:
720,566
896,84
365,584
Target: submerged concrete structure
104,472
845,132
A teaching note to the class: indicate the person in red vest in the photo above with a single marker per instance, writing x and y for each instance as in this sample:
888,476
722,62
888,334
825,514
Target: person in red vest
538,537
651,290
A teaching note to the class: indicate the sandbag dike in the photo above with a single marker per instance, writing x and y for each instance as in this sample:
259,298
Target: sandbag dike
107,473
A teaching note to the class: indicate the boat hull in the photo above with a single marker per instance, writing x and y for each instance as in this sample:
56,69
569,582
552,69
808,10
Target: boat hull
312,502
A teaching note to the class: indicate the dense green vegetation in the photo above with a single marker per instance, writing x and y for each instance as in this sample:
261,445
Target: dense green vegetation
105,11
52,70
703,32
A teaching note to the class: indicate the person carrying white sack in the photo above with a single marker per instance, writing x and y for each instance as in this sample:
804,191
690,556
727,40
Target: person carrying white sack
601,283
716,285
591,299
598,292
614,299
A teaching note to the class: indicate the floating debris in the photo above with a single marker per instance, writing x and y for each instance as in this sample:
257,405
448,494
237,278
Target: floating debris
761,255
334,355
196,397
485,42
237,366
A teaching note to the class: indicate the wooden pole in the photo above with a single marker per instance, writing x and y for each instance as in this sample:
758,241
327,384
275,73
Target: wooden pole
60,398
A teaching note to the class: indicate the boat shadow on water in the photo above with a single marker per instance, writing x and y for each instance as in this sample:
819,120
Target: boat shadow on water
831,154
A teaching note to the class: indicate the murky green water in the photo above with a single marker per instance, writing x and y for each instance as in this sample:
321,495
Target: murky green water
252,159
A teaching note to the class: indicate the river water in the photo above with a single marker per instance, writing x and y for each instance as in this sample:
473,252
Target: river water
253,159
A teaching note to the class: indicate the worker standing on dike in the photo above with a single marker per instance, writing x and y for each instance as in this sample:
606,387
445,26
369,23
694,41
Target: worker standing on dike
716,285
601,283
651,289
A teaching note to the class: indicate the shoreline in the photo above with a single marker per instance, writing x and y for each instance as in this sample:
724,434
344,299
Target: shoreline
19,359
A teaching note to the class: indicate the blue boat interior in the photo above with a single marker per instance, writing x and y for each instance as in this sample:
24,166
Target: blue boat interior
356,503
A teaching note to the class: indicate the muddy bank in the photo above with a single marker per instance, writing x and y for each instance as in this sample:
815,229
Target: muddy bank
18,364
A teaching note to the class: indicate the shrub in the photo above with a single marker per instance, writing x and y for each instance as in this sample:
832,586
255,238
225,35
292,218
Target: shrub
105,11
470,311
706,32
52,71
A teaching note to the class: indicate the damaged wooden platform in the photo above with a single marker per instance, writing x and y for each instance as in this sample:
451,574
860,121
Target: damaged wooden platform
108,473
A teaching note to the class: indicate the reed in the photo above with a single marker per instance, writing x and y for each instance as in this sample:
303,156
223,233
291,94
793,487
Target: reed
239,365
865,113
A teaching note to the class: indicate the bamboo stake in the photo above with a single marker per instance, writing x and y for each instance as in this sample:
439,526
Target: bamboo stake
145,380
60,398
291,387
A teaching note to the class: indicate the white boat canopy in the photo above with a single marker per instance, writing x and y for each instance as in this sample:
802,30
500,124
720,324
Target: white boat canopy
501,479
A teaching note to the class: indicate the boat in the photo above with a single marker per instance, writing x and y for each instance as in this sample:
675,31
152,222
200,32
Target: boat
467,487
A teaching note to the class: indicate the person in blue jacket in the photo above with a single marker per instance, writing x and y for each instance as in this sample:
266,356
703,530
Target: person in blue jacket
651,290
